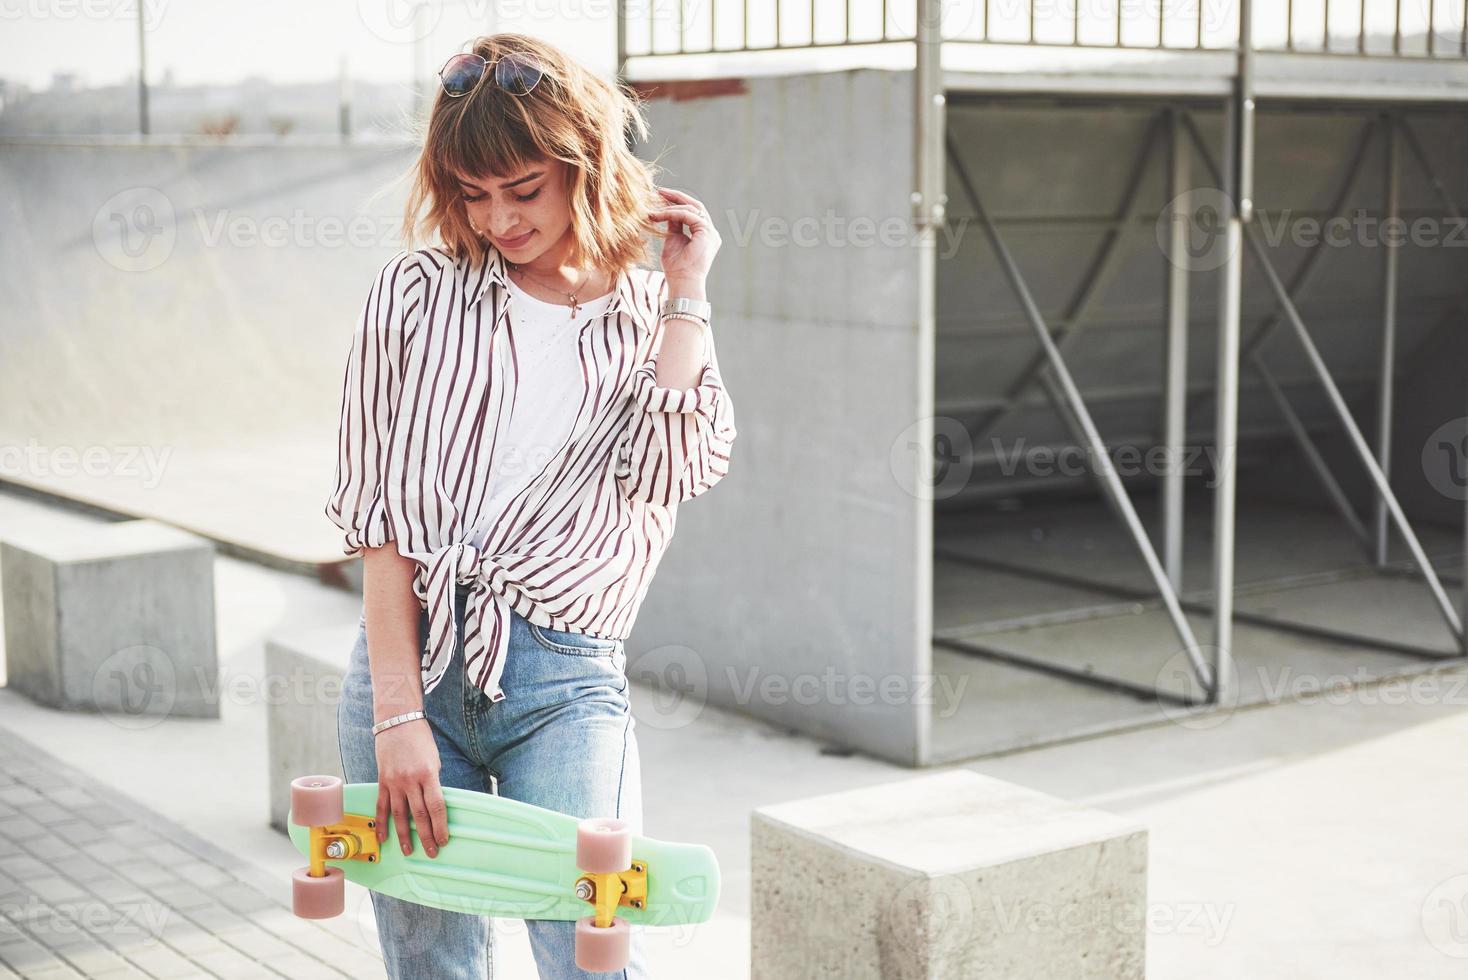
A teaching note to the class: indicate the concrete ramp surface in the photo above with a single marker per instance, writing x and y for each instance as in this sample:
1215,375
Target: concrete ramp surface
177,322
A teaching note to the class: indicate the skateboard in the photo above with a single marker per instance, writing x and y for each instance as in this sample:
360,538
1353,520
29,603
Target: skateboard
504,858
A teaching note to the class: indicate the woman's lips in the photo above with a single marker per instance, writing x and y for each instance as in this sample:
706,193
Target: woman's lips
517,242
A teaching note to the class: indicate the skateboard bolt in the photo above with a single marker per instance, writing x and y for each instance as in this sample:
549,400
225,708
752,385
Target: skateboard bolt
336,850
584,890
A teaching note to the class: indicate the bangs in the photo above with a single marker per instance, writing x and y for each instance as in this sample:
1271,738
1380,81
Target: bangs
485,143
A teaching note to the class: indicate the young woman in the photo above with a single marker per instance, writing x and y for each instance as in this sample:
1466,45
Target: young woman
523,411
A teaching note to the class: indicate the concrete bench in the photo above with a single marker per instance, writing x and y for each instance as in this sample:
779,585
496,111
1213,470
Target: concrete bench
951,875
305,670
116,618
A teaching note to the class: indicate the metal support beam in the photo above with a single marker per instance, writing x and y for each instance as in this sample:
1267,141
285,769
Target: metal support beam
1239,207
1103,268
1317,462
1175,361
1106,472
1358,441
1386,385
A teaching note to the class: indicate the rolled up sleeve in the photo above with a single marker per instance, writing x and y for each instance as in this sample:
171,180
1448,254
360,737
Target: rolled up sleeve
370,392
678,441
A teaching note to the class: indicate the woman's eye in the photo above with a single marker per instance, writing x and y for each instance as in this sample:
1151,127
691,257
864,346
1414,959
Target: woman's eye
469,198
528,197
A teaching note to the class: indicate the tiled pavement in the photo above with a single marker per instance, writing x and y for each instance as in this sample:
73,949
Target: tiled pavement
92,884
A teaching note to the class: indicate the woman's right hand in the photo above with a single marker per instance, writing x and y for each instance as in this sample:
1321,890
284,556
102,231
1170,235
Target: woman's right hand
407,782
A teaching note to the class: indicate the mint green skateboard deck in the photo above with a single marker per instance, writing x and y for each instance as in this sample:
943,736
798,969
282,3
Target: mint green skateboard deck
516,860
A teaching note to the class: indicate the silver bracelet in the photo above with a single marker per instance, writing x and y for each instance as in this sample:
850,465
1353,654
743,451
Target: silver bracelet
687,316
387,723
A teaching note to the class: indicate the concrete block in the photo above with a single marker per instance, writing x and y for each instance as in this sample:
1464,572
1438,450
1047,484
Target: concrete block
305,669
951,875
117,618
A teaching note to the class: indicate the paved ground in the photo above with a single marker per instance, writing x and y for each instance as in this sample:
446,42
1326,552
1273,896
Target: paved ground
94,885
1319,837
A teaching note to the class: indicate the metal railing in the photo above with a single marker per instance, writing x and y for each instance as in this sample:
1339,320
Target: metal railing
1354,28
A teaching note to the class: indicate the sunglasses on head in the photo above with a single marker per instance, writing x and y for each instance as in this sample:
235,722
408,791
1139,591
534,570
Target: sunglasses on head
515,73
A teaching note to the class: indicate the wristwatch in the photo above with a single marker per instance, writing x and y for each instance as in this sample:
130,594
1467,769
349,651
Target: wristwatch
700,308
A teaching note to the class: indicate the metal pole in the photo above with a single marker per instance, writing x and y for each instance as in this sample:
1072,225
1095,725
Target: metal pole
1110,481
1317,462
144,124
1175,368
1388,332
622,40
1358,441
1239,203
928,200
344,100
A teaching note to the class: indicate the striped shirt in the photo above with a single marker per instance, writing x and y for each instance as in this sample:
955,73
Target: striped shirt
429,390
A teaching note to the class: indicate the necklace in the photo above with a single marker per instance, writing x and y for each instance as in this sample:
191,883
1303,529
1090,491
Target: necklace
575,306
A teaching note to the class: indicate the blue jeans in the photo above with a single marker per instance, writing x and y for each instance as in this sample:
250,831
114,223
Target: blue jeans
562,738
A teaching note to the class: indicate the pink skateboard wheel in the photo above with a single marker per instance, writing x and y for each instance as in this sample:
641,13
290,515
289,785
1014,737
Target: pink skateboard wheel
318,898
603,845
601,949
316,801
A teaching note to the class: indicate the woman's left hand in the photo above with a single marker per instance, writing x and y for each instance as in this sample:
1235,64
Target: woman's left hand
688,254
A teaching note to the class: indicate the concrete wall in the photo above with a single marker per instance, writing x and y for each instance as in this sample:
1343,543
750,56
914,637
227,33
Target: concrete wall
807,567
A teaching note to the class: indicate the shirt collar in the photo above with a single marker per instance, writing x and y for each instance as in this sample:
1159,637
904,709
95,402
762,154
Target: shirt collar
493,268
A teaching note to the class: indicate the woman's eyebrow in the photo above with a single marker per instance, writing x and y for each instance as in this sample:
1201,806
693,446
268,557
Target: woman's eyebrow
466,185
528,177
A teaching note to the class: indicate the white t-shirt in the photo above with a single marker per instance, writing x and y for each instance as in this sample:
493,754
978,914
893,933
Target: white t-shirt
547,396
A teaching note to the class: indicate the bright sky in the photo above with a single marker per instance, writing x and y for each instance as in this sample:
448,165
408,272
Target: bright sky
301,40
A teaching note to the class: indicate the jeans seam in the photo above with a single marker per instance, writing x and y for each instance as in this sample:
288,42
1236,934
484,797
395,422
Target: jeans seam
567,649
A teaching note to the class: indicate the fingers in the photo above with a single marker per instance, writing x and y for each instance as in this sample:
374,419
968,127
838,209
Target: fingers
383,795
438,812
420,819
685,213
400,819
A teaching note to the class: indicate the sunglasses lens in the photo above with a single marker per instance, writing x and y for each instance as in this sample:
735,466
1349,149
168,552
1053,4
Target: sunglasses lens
517,75
462,73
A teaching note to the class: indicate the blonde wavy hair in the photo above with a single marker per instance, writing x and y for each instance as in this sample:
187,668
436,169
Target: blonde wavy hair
573,115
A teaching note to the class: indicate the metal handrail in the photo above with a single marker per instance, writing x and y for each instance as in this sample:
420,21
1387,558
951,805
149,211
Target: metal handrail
800,25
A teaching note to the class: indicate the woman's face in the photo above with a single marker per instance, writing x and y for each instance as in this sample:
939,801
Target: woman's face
522,214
